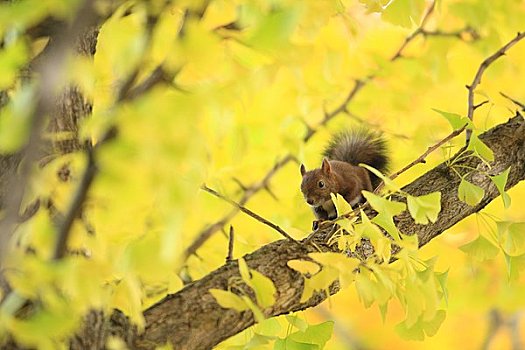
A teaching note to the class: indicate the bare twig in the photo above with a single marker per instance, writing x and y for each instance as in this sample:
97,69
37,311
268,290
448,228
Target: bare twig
483,66
229,257
249,212
516,102
414,34
472,107
459,34
251,190
76,206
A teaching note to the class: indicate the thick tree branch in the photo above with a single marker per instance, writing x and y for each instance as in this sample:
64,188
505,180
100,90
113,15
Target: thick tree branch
191,318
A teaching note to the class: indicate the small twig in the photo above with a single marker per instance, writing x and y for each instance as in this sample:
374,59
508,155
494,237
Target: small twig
251,190
421,158
414,34
516,102
483,66
456,34
76,206
480,104
249,212
229,257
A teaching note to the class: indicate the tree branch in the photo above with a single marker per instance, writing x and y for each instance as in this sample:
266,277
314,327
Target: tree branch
188,324
483,66
248,212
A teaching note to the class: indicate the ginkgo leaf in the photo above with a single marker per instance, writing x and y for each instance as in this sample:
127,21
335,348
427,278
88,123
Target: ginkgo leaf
500,181
512,237
341,205
470,193
304,266
425,208
317,334
229,300
456,121
244,271
480,148
403,13
264,289
383,205
320,281
480,249
262,286
389,184
418,330
296,321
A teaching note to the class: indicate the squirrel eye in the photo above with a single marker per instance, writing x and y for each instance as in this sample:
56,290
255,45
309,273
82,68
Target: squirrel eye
321,184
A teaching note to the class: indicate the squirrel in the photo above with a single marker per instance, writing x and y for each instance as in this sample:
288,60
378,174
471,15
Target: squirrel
340,173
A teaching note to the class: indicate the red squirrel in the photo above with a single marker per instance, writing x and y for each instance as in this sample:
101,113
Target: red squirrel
340,173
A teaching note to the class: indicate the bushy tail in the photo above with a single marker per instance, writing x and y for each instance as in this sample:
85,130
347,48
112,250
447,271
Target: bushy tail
360,146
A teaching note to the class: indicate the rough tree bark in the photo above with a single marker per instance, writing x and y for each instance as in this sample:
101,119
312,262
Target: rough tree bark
191,319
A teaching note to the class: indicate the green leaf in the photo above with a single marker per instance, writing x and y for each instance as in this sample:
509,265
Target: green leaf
418,330
257,341
389,184
304,266
500,181
481,249
264,289
290,344
257,313
318,282
387,223
404,12
274,30
341,205
297,322
317,334
425,208
262,286
343,264
442,280
269,327
480,148
229,300
244,271
374,5
470,193
512,237
515,265
455,120
383,205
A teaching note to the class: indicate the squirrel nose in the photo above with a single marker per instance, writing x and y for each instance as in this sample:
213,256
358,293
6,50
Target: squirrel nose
310,201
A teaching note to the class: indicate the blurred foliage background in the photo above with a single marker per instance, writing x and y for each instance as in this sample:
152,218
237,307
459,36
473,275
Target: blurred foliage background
251,80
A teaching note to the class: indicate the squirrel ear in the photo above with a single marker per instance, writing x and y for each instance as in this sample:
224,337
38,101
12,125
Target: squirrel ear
325,167
303,170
